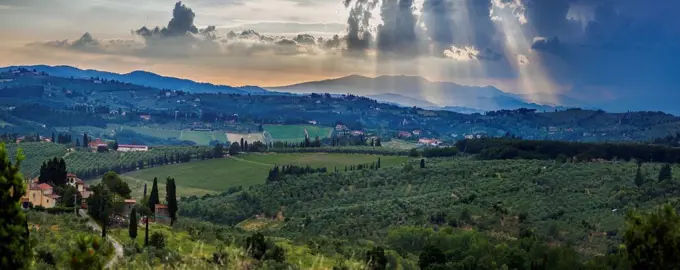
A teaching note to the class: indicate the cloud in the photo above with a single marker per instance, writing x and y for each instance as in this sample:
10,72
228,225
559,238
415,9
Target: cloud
549,45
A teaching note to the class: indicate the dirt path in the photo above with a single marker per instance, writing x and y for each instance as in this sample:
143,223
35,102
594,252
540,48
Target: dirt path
116,246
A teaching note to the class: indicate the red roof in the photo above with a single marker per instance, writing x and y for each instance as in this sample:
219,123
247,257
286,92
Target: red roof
130,201
161,206
44,186
70,175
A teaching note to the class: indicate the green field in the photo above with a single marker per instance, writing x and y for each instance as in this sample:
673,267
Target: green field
296,133
216,175
200,137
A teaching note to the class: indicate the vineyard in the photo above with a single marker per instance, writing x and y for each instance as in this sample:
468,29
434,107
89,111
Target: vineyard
35,153
89,165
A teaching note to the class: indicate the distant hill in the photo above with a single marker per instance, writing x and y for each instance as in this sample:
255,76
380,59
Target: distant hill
143,78
405,101
418,88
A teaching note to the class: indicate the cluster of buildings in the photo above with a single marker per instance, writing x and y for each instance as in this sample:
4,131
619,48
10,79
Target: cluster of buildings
97,143
43,194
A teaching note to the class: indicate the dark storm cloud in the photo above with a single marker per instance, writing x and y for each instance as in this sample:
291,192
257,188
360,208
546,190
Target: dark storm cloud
359,36
181,24
397,33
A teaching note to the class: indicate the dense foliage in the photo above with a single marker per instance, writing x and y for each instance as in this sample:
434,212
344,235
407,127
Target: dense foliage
13,227
493,148
494,196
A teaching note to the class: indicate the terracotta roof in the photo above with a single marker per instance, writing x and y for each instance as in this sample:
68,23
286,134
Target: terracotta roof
70,175
44,186
130,201
161,206
24,199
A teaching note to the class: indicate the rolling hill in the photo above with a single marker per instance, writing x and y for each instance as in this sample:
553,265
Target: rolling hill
440,94
143,78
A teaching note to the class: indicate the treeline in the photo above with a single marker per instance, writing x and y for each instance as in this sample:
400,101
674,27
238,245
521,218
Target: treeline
277,172
670,140
90,165
306,143
495,148
345,150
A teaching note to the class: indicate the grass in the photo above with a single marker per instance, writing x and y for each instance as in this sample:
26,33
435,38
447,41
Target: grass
176,240
296,133
216,175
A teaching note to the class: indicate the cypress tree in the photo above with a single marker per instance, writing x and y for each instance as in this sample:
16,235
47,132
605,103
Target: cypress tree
666,173
132,230
144,191
171,198
639,180
422,163
153,198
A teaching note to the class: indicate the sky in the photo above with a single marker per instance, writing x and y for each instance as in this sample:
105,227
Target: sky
615,54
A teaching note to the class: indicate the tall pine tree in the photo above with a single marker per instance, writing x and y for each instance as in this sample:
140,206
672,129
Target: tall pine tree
14,250
132,229
144,191
666,173
171,198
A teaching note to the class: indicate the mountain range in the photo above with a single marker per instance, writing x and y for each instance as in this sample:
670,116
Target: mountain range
402,90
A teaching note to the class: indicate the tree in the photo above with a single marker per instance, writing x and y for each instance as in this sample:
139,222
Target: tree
86,141
116,185
153,198
144,191
132,229
639,179
234,149
77,142
54,139
14,235
431,256
218,151
171,199
113,145
241,145
666,173
377,142
53,172
376,259
422,163
157,240
652,240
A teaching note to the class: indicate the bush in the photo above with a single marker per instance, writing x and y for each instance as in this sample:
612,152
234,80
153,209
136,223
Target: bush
157,240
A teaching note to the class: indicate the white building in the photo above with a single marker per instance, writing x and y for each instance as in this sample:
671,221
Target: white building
132,148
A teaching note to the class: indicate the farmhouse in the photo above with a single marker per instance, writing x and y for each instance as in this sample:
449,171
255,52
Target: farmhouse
432,142
127,208
340,127
162,214
39,195
132,148
357,133
96,144
404,134
74,181
146,117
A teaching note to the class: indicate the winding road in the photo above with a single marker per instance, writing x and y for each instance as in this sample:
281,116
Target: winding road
116,246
